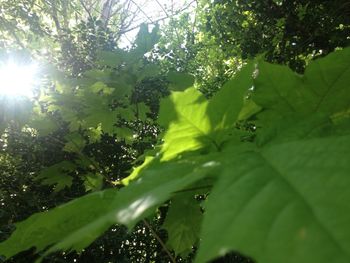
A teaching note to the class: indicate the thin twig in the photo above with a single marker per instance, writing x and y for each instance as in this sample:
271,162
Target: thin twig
143,12
172,259
162,7
86,9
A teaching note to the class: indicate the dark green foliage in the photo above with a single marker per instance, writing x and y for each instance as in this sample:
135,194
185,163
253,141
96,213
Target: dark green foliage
287,32
80,44
150,91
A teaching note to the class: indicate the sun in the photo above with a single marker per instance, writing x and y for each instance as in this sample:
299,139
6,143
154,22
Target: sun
17,80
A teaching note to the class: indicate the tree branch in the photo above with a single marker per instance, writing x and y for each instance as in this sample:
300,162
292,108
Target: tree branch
106,11
157,20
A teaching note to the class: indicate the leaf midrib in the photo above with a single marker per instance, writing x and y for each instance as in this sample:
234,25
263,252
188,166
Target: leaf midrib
306,203
210,139
330,85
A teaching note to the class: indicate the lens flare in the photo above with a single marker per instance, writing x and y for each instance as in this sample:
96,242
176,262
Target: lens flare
17,79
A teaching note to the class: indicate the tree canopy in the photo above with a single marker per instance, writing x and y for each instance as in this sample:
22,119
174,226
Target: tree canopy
155,131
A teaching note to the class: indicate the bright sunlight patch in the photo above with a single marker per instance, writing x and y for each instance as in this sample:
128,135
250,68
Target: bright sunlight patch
17,79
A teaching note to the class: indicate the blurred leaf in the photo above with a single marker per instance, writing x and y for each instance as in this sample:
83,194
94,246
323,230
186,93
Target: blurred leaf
145,40
183,224
142,110
43,124
108,58
101,87
150,70
250,108
57,175
94,134
75,142
93,182
179,81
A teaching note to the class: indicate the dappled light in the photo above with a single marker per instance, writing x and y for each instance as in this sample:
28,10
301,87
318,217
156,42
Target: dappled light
135,209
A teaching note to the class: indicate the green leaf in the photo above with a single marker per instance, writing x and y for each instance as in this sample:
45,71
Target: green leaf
101,87
290,100
279,89
224,108
93,182
69,107
142,110
136,172
76,224
43,124
249,109
328,79
286,202
126,113
145,40
57,175
111,59
179,81
287,97
45,229
183,224
124,133
75,142
149,70
104,117
194,122
94,134
188,127
98,113
99,75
